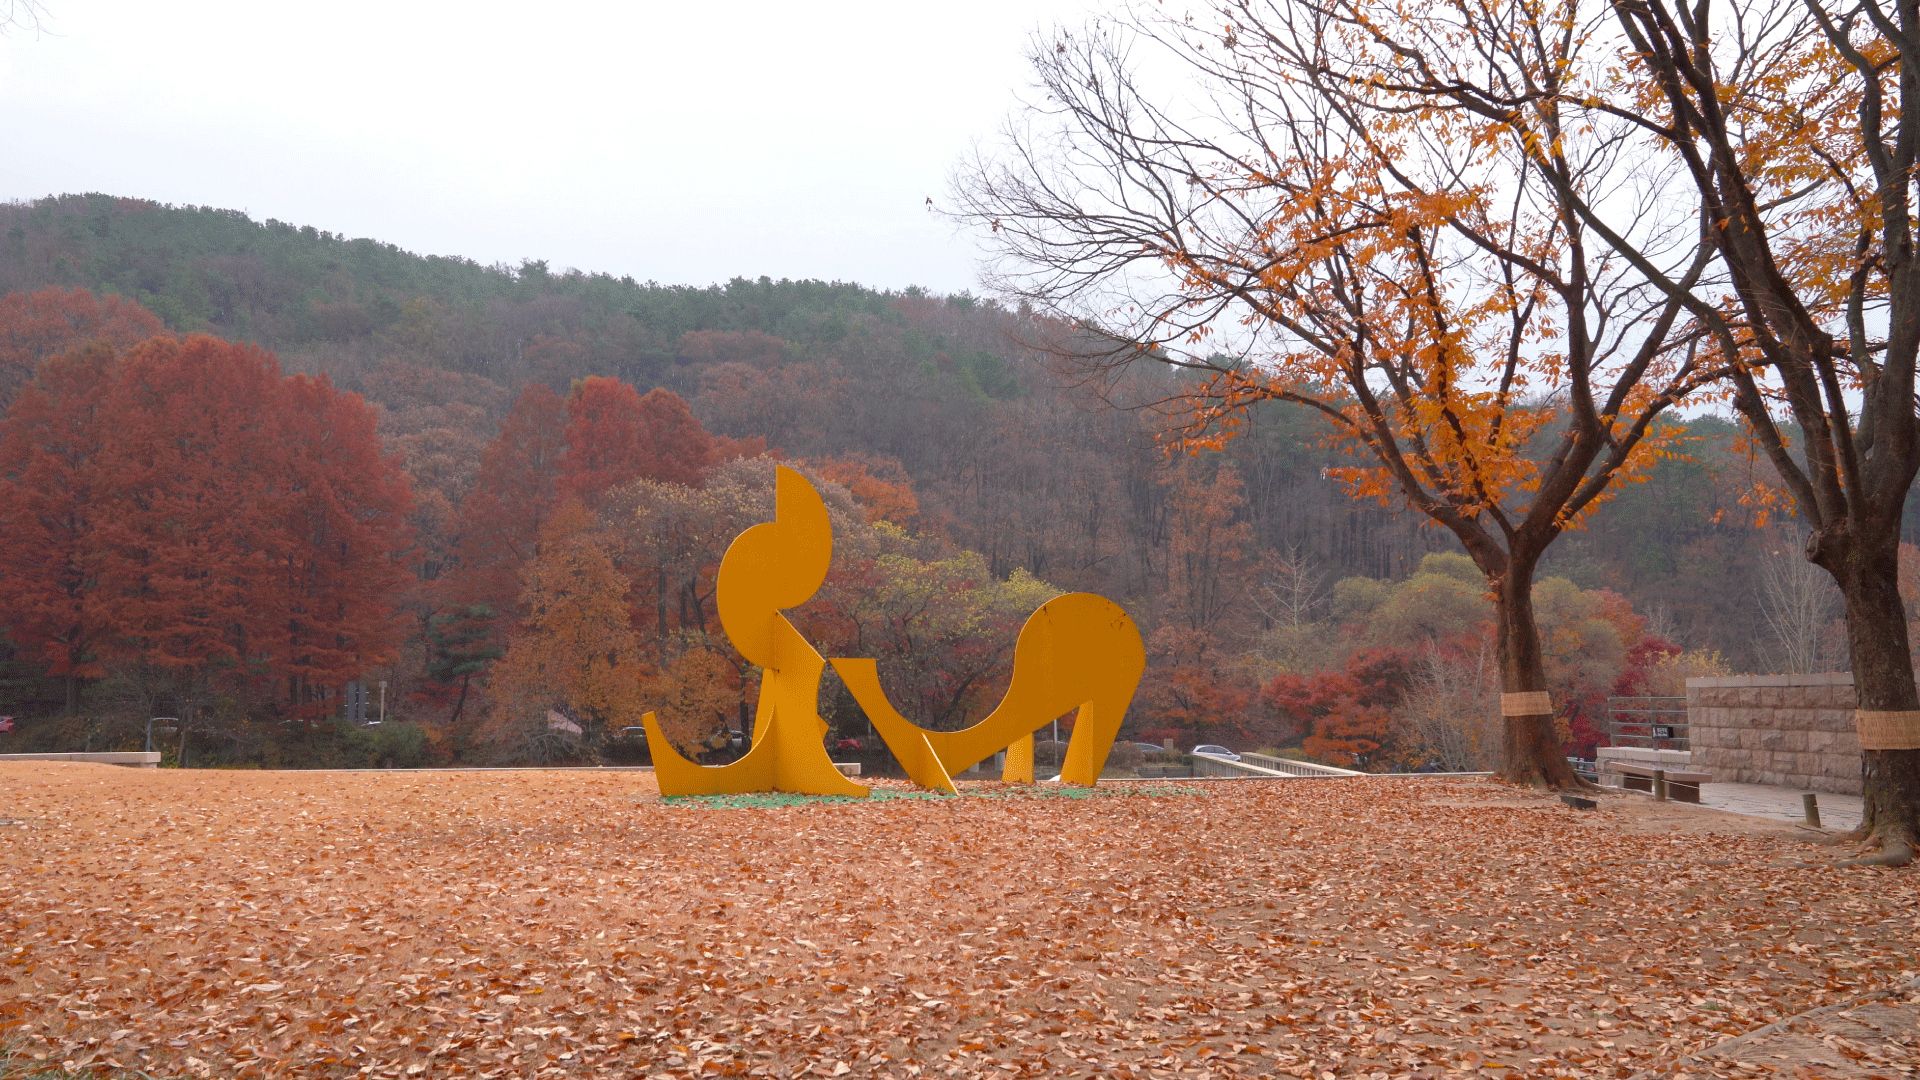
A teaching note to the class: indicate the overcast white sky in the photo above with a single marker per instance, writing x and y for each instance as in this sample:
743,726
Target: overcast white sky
683,143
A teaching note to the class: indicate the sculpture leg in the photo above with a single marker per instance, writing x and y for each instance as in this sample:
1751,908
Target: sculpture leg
790,758
1019,766
800,760
1094,729
678,776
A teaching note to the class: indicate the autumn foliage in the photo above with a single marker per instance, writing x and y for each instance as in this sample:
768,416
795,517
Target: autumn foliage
35,327
575,654
194,531
1344,715
50,446
186,509
499,521
615,435
609,933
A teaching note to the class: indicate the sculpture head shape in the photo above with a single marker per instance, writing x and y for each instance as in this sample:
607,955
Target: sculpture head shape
776,565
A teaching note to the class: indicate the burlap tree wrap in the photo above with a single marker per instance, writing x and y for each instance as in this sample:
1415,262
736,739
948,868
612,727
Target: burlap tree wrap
1531,703
1887,730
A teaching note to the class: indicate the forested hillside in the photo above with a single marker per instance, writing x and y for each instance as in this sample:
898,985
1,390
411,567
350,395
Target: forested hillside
619,427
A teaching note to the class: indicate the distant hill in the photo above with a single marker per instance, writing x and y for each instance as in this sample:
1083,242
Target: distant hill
1005,459
289,287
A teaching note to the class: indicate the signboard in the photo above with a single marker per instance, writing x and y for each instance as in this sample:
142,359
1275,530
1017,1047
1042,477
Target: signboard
357,702
1663,731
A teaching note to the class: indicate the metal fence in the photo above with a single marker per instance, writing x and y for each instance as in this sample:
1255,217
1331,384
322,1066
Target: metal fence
1656,723
1294,768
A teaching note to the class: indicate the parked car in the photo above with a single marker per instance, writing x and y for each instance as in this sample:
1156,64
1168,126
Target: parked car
1151,748
851,746
1210,750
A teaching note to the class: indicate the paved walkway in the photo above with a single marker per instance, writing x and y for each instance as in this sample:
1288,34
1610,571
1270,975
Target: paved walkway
1782,804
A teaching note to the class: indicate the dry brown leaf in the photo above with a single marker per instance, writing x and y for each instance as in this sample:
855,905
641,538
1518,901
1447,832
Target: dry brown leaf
512,924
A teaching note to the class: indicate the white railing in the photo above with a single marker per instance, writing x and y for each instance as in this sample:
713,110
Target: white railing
139,759
1263,765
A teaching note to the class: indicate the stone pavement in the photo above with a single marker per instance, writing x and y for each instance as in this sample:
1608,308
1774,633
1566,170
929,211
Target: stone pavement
1867,1040
1837,812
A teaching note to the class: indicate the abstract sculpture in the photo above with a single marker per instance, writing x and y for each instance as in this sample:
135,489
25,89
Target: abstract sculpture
1077,650
772,566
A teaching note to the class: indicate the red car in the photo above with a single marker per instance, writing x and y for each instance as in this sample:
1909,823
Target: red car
849,745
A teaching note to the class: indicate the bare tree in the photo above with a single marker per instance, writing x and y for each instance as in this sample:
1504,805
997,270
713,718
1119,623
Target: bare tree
1424,289
26,14
1452,707
1290,592
1800,602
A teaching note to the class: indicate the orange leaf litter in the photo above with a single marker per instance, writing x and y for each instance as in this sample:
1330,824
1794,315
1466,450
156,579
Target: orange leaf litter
530,924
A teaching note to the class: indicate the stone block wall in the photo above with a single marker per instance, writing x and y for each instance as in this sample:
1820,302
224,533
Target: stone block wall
1791,731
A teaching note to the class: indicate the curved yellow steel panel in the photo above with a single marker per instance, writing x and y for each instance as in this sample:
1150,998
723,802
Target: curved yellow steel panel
776,565
907,741
779,564
1077,650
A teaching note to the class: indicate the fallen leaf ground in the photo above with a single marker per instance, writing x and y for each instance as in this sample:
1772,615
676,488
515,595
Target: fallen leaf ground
534,924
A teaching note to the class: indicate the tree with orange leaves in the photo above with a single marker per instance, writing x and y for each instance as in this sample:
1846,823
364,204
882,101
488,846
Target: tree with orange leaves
342,510
188,513
1440,306
1778,133
575,649
881,485
244,524
1209,567
500,519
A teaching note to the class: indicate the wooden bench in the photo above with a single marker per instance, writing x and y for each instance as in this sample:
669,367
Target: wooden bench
1682,785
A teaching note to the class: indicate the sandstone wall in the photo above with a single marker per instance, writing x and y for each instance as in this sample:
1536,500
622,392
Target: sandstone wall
1791,731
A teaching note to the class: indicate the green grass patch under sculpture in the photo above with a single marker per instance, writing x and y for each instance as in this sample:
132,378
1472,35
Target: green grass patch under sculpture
761,800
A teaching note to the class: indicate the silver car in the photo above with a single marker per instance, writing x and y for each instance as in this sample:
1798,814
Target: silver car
1210,750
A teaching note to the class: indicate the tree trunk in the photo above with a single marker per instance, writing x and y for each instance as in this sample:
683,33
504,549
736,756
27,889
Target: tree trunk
460,703
1531,753
1883,681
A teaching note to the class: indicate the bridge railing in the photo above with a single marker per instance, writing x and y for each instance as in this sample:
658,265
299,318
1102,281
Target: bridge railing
139,759
1263,765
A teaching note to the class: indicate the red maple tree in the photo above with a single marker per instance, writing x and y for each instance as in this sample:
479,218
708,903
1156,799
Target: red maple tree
616,436
500,519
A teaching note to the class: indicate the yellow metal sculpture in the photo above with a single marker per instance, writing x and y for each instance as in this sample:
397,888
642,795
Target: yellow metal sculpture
1077,651
769,567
